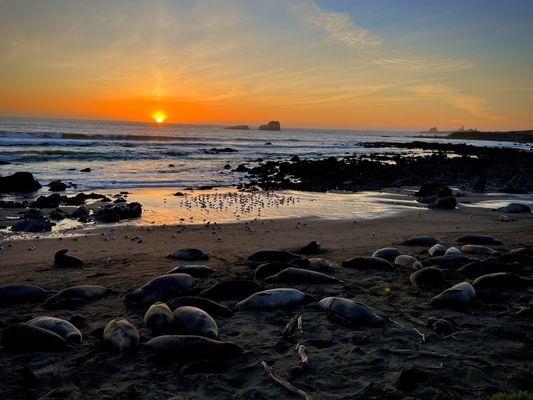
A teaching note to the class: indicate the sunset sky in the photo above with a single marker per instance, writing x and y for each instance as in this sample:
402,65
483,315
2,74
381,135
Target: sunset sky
375,64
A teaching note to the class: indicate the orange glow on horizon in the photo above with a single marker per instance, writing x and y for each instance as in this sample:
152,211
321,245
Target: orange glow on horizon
159,117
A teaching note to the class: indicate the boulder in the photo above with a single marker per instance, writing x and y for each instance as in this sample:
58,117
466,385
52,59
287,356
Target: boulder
443,203
115,213
57,186
19,182
271,126
433,189
514,208
41,224
51,201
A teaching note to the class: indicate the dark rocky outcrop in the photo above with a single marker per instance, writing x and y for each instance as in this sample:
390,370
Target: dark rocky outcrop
115,213
51,201
40,224
271,126
57,186
443,203
19,182
218,150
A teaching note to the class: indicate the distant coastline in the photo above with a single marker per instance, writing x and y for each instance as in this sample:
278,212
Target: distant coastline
525,136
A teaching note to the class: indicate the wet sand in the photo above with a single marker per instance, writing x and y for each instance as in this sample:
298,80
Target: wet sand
490,352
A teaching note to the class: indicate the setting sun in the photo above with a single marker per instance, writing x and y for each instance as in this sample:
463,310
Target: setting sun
159,117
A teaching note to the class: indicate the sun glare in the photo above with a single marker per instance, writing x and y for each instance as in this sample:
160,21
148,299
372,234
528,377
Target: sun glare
159,117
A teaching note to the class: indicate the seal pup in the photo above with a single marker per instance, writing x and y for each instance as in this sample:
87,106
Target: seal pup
273,255
405,261
478,250
455,296
189,255
195,321
20,294
312,248
452,251
159,318
270,268
488,266
59,326
422,241
501,280
478,239
207,305
196,271
299,275
62,260
28,338
387,253
350,312
320,264
428,278
161,288
120,335
76,295
193,347
437,250
366,263
232,289
272,299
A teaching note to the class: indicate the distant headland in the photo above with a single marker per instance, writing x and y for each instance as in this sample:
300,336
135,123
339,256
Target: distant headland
271,126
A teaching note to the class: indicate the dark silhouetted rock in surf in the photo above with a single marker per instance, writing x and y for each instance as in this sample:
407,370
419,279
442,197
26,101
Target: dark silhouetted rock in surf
19,182
41,224
218,150
51,201
443,203
118,212
242,168
85,170
271,126
57,186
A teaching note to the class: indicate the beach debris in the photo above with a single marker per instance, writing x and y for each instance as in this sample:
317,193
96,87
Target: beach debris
304,359
295,325
283,382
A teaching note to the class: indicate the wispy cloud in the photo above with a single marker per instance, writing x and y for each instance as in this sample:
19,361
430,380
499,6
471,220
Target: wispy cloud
421,64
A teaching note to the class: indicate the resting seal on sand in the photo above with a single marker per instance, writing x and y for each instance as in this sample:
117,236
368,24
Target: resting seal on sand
272,299
488,266
196,271
478,239
20,294
62,260
501,280
422,241
273,255
311,248
270,268
452,251
160,289
350,312
406,261
437,250
193,347
120,335
76,295
387,253
457,295
364,263
313,262
194,321
450,261
159,318
207,305
299,275
59,326
26,338
479,250
233,289
189,255
428,278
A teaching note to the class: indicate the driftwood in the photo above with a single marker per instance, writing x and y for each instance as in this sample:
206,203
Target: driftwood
284,383
294,324
300,349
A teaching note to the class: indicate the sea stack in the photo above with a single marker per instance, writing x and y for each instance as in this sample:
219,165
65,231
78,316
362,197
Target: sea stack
271,126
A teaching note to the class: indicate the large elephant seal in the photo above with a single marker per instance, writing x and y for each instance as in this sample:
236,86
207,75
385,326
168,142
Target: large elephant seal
409,262
368,263
428,278
59,326
272,299
20,294
159,318
270,268
350,312
62,260
455,296
316,263
501,280
422,241
273,255
120,335
478,250
233,289
437,250
299,275
387,253
193,347
488,266
75,296
27,338
207,305
161,288
195,321
452,251
452,261
189,255
478,239
196,271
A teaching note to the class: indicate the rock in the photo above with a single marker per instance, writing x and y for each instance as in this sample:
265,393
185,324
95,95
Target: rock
434,189
57,186
19,182
85,170
118,212
3,162
241,168
295,159
52,201
57,215
271,126
514,208
41,224
410,378
239,127
216,150
443,203
189,255
80,212
227,166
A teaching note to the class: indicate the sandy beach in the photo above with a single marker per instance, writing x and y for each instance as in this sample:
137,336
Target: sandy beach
488,352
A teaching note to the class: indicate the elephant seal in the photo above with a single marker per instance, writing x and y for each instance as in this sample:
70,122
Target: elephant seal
193,347
452,251
59,326
273,255
20,294
501,280
488,266
312,248
366,263
272,299
409,262
62,260
75,295
428,278
120,335
387,253
299,275
455,296
162,288
452,261
437,250
159,318
196,271
422,241
207,305
350,312
320,264
270,268
189,255
28,338
478,239
233,289
478,250
195,321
